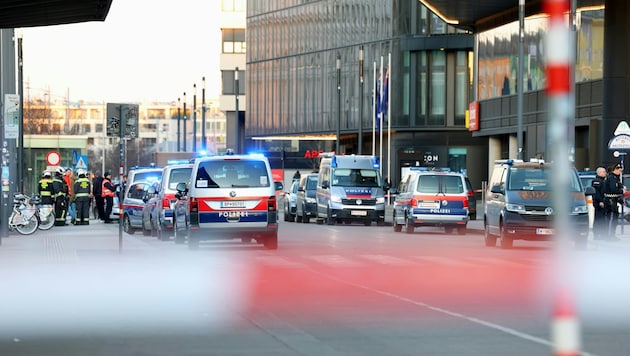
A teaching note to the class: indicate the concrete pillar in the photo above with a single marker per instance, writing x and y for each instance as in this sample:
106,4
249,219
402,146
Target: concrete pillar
494,153
513,147
616,81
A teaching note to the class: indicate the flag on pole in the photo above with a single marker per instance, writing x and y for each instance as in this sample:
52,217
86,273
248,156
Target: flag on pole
385,95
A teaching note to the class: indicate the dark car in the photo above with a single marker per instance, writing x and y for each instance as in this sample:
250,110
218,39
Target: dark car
306,203
472,200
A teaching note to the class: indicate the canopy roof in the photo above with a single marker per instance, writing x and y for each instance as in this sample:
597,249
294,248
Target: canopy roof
481,15
30,13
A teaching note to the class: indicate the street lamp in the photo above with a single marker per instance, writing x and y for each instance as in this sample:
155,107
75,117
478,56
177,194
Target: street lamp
337,151
194,142
179,120
238,129
360,138
203,114
184,134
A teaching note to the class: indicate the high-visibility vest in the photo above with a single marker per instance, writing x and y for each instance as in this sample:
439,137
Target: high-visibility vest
106,192
45,187
82,188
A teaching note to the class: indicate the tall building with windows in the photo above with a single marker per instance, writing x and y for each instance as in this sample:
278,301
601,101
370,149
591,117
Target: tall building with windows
232,64
306,83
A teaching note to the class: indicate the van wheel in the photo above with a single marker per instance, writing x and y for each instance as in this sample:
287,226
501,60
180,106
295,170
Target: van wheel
506,241
329,219
271,242
490,240
298,218
409,226
448,229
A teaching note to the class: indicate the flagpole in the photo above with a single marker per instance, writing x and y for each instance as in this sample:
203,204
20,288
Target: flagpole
380,120
374,112
389,122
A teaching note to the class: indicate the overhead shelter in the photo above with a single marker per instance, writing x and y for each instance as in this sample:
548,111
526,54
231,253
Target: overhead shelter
31,13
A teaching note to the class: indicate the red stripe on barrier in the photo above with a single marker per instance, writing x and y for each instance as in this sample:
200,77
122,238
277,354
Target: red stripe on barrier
556,8
558,79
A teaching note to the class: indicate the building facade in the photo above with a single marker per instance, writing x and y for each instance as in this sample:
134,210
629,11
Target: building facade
306,81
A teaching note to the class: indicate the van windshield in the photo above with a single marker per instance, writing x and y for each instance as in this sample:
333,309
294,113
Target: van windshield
348,177
232,174
537,180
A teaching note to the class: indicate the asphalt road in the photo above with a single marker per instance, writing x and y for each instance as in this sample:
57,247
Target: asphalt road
327,290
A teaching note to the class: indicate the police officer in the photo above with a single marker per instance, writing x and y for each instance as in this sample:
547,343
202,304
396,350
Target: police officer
45,189
600,227
82,198
61,190
613,193
107,192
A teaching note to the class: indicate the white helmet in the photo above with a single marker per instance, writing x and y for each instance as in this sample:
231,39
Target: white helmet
82,173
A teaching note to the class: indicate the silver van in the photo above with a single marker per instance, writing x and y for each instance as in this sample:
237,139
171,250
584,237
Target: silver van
350,188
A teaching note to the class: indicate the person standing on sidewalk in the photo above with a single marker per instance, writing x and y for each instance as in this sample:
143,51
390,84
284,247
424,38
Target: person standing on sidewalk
613,192
600,227
61,190
69,179
97,189
82,198
108,191
45,189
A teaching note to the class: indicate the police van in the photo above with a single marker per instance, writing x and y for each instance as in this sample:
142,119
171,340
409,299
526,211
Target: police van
350,188
227,197
519,206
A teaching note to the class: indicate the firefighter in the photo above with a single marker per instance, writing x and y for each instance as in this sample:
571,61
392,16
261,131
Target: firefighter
61,190
45,188
82,198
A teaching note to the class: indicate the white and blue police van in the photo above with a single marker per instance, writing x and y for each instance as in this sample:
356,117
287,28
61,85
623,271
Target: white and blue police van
350,188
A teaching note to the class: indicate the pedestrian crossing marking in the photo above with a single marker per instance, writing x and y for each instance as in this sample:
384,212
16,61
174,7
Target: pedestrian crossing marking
279,261
335,261
387,260
446,261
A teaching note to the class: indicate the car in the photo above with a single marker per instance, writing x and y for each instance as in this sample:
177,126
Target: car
133,204
290,198
147,174
158,213
518,204
431,197
305,202
227,197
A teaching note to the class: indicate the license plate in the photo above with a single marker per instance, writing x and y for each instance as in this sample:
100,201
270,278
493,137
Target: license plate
430,204
541,231
233,204
358,212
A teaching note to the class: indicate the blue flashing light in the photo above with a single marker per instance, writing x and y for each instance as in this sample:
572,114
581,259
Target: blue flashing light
177,161
333,162
376,162
229,152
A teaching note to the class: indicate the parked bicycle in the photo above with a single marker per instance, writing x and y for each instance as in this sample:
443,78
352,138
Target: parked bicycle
25,216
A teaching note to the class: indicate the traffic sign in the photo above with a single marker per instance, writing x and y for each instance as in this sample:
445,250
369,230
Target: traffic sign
81,163
622,129
619,142
53,158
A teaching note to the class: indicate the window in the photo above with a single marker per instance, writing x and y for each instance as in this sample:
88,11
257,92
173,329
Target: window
233,40
229,82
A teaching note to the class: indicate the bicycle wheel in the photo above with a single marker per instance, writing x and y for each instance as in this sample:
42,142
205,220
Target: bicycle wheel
30,227
48,222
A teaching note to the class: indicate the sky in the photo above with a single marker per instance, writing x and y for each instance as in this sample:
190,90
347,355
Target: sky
145,50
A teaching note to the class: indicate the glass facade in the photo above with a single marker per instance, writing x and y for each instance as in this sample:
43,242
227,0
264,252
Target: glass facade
498,54
292,50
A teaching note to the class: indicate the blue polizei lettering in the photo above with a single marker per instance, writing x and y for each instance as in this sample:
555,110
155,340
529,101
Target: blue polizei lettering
359,191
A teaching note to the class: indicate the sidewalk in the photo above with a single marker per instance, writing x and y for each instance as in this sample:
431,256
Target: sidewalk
68,243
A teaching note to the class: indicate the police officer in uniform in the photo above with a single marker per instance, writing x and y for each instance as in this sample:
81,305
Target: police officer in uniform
600,226
61,189
45,188
82,198
613,192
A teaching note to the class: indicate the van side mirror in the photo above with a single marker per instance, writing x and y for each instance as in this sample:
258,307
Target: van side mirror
496,189
181,190
279,186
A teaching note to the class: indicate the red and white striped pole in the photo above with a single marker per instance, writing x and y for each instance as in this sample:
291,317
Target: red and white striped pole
565,329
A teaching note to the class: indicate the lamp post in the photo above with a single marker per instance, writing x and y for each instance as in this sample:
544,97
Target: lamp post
194,142
360,138
337,151
203,114
184,134
238,128
179,120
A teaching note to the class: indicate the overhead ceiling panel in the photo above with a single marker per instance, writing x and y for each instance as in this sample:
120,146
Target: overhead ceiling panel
30,13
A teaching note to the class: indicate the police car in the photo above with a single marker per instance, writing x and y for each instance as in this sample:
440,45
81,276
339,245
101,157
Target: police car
227,197
428,197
